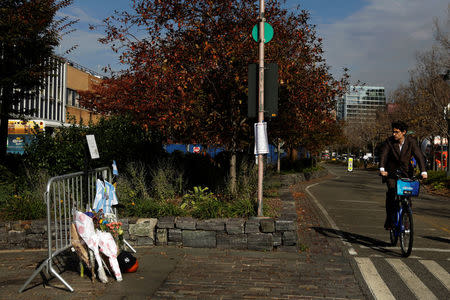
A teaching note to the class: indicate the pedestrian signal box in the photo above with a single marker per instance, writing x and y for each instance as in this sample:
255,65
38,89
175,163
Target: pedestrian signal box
270,90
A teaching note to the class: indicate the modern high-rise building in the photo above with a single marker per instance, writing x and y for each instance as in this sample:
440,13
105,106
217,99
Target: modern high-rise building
360,103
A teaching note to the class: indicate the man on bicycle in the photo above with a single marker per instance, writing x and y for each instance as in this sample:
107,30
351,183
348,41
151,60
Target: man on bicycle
396,153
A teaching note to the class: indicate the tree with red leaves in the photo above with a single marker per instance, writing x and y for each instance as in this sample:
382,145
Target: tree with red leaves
187,71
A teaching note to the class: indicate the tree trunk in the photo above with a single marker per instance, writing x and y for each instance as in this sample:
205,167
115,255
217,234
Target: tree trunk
278,157
293,154
233,172
433,154
448,152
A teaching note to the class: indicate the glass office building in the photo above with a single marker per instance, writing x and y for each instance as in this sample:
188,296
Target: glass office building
360,102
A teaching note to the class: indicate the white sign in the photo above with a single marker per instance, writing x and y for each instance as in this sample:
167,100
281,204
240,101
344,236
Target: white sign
92,146
261,140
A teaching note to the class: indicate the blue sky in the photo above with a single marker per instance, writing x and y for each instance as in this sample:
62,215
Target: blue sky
378,40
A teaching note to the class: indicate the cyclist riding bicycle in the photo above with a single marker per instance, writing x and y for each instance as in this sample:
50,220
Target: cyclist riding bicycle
396,153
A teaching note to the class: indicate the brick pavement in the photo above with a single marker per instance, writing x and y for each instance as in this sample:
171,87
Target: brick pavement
320,270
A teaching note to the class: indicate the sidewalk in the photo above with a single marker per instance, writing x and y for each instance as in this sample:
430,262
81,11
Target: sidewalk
320,271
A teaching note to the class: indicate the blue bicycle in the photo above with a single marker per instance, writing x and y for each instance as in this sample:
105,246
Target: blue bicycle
403,228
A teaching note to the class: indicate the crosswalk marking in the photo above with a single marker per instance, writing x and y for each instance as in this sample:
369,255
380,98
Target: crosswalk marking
438,272
411,280
376,285
414,249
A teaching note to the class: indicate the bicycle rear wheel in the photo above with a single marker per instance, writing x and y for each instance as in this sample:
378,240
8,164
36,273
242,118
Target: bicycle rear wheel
407,231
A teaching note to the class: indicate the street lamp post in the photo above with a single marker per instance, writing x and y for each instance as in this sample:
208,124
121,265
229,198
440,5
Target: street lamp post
261,104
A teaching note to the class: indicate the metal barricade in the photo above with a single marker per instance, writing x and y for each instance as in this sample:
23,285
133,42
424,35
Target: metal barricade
65,193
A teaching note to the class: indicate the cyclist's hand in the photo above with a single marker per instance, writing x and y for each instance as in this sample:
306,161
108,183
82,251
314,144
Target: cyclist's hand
383,173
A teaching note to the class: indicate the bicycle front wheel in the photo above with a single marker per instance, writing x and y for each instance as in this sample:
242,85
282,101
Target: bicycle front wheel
407,232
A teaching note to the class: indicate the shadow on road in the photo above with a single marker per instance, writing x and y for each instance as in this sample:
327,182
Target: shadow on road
436,238
65,262
354,238
434,212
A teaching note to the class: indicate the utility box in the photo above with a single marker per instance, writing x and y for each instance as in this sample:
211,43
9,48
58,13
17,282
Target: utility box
270,90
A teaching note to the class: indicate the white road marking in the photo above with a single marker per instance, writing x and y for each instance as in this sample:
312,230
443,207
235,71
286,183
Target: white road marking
358,201
438,271
322,209
415,257
414,249
373,280
327,216
356,209
352,251
411,280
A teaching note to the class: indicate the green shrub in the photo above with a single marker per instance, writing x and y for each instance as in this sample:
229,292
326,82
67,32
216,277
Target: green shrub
24,207
243,207
7,185
167,181
118,138
438,185
312,169
438,180
434,176
151,208
131,186
203,204
297,166
22,197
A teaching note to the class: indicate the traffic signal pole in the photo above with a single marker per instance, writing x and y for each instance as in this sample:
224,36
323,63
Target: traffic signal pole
261,104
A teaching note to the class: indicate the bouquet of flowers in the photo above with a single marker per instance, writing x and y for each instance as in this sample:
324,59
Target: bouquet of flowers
109,223
115,228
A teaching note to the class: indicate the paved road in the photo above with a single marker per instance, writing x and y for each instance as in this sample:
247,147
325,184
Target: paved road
353,204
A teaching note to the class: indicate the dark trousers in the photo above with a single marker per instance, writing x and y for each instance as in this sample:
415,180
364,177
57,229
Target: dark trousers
391,203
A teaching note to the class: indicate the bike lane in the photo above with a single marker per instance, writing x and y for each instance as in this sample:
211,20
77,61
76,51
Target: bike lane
353,203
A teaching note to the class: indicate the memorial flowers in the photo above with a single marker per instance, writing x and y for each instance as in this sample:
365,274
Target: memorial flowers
108,223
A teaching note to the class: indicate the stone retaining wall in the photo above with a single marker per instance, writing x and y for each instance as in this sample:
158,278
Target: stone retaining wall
234,233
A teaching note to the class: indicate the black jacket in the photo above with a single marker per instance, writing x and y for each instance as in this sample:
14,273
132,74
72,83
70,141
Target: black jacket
393,159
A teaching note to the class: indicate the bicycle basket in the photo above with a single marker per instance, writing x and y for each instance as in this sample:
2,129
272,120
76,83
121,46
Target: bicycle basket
408,187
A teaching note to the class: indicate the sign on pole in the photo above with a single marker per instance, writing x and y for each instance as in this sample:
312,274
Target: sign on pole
92,146
350,164
268,32
270,90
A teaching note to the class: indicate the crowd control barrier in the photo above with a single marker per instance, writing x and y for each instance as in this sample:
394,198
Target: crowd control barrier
63,194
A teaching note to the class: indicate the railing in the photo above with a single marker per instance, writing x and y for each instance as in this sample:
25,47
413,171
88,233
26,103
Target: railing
64,194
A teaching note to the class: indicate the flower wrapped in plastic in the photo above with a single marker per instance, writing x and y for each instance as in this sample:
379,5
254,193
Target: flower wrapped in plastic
108,223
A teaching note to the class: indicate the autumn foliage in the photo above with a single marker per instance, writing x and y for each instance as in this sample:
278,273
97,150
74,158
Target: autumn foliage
187,64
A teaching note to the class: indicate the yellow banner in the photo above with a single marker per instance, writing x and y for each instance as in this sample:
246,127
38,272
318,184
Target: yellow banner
23,127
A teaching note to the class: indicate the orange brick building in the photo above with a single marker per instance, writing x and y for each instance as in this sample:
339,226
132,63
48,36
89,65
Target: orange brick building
79,79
